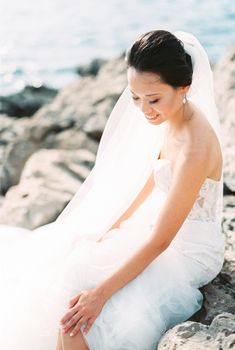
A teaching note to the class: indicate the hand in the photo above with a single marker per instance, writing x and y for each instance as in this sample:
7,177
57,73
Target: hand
83,307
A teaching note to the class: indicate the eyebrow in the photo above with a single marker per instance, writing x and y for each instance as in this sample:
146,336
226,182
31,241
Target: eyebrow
149,94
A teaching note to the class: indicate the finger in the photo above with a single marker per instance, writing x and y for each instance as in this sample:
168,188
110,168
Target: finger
71,322
88,326
78,326
68,316
74,299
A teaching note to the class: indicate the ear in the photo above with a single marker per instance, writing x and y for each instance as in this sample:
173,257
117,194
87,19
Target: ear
184,89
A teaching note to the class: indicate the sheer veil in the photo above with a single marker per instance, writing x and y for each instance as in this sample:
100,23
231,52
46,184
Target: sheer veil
127,150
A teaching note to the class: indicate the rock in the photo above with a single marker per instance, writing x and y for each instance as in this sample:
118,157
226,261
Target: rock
50,119
69,115
15,149
219,295
91,68
94,126
224,78
70,139
15,157
229,158
26,102
102,93
7,133
228,226
227,191
48,181
220,335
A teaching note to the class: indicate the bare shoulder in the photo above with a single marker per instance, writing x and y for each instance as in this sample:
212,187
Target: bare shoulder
202,146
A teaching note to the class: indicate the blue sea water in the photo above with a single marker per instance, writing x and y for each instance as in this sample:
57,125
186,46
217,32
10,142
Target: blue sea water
42,42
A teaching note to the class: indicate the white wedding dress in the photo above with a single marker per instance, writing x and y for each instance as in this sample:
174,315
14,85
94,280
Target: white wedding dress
42,269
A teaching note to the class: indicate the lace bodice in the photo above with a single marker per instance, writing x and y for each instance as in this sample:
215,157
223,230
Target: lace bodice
208,204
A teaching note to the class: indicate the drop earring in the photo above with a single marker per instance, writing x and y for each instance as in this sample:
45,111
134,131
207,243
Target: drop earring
185,104
185,99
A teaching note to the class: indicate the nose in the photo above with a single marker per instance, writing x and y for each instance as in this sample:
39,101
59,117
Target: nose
145,107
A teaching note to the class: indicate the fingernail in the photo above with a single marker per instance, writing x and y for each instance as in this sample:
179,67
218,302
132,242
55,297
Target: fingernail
71,334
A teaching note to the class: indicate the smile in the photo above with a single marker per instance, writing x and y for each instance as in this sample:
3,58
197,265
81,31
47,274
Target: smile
152,118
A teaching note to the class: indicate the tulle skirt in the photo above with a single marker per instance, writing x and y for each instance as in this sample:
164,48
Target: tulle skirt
42,269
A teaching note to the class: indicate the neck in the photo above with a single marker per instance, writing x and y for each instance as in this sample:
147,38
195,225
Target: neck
180,118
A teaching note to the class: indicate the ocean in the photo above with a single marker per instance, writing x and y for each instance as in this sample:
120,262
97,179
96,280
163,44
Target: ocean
42,42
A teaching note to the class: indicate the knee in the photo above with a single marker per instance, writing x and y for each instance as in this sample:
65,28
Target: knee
76,342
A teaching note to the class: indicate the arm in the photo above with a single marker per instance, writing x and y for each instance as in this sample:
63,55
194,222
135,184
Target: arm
189,175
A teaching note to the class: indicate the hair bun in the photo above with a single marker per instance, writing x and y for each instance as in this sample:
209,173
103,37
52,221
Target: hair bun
162,53
189,60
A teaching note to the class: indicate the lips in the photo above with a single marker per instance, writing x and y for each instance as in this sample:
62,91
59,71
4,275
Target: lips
152,117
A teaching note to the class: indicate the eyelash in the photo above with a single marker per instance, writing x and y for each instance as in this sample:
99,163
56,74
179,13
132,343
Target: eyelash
151,102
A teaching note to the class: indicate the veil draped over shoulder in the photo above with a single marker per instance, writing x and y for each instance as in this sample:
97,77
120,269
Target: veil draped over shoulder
127,150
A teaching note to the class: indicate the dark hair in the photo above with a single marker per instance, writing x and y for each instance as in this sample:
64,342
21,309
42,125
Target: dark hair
161,52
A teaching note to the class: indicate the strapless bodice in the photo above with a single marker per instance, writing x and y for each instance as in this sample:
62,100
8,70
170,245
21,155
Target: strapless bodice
209,200
207,206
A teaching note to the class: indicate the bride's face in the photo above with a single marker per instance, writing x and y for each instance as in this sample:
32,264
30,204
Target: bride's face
157,100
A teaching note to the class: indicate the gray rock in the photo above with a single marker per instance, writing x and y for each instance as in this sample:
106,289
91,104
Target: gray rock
48,181
91,68
220,335
228,226
78,113
219,296
70,139
93,98
27,101
224,77
16,155
15,148
220,293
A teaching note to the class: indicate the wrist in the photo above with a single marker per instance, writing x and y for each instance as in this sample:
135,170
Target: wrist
103,292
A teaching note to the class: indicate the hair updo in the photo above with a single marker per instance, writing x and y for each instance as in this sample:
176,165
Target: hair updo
161,52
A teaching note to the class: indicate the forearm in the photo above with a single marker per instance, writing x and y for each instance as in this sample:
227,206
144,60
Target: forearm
130,269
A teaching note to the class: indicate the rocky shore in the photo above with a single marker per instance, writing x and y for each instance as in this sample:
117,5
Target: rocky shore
48,143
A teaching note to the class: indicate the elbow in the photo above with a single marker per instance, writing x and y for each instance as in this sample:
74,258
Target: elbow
158,247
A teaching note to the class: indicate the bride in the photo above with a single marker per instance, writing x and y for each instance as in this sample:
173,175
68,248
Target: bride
125,259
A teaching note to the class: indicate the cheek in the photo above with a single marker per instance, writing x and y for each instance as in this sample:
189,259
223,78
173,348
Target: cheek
164,105
169,103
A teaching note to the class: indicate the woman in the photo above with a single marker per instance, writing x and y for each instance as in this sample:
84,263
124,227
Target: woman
125,259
